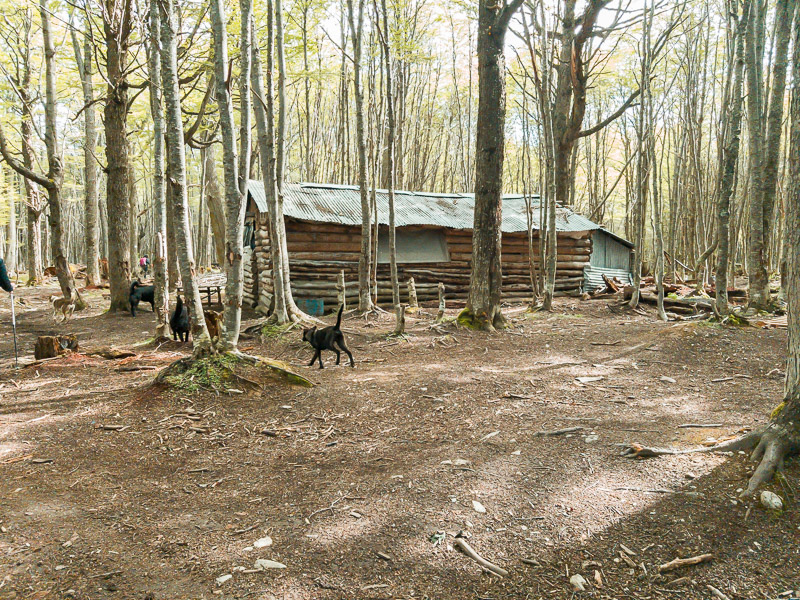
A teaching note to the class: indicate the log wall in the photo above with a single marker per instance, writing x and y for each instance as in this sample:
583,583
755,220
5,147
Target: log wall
319,251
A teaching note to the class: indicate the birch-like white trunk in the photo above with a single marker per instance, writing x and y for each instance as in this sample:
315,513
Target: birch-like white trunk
176,158
159,183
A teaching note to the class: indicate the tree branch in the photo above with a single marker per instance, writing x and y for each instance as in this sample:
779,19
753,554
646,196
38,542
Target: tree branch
505,15
20,168
612,117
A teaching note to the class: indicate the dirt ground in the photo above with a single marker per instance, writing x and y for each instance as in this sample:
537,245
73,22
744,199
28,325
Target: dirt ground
362,481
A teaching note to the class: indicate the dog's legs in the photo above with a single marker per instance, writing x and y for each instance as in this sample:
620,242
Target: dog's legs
338,354
316,354
340,342
319,352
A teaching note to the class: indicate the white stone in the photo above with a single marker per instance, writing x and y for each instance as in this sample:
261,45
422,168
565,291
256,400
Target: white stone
578,582
223,578
771,501
264,542
478,507
264,563
591,438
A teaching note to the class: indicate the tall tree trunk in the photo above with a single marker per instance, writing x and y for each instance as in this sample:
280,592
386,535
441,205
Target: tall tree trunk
216,208
91,235
177,178
133,227
33,203
390,163
732,132
264,119
483,303
785,16
364,262
756,255
159,183
280,163
11,240
233,166
55,170
117,29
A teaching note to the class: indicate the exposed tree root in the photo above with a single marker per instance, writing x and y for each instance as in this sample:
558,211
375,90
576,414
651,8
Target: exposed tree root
771,444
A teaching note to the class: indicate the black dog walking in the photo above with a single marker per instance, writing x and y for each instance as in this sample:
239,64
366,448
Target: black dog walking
141,293
324,339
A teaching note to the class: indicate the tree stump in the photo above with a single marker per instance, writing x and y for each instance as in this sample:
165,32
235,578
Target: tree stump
413,305
51,346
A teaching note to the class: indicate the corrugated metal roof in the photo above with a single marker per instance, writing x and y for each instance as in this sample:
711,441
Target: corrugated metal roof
342,204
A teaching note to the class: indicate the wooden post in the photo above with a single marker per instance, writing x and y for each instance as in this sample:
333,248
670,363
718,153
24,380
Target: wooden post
400,319
340,290
413,305
440,314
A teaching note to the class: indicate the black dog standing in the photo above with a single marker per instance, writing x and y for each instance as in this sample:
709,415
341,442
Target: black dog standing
179,321
324,339
141,293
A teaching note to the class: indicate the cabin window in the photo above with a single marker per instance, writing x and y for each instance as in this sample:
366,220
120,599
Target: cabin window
248,236
414,246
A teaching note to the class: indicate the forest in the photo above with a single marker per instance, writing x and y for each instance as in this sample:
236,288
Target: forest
552,245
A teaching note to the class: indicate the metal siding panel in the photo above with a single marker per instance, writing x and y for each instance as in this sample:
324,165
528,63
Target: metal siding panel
593,277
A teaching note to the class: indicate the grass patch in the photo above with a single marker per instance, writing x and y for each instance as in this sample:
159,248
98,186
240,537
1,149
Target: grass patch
271,330
210,373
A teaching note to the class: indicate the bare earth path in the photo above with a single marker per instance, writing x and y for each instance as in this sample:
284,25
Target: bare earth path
363,481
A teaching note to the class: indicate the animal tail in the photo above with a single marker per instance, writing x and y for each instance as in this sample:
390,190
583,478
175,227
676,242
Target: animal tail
134,284
339,317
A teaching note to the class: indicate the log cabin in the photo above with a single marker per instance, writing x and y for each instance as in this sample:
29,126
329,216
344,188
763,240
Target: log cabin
433,240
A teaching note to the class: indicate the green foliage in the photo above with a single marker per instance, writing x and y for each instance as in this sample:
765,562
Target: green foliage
206,374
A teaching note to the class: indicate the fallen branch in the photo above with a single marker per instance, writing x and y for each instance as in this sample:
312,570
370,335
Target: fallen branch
462,545
557,431
699,425
685,562
716,593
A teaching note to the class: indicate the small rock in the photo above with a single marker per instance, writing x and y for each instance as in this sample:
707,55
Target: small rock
690,475
223,578
591,438
666,379
460,462
478,507
264,542
248,548
578,582
771,501
264,563
516,453
60,567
